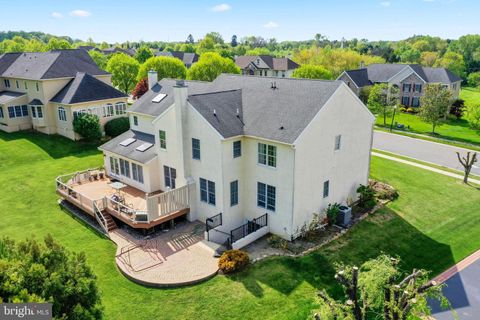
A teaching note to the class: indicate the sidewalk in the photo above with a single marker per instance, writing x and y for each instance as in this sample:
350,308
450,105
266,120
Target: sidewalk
418,165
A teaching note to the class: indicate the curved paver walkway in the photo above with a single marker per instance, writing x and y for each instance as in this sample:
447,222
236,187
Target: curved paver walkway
175,258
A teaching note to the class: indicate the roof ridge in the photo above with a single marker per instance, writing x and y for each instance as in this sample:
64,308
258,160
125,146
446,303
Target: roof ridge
276,78
213,92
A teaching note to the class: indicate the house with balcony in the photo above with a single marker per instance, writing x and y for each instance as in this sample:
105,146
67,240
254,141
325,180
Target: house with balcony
246,155
409,78
44,91
266,66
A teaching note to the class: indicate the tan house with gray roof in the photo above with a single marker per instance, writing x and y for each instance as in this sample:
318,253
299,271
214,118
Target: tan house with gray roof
266,66
45,90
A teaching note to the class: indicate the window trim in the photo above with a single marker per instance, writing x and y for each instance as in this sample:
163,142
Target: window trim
194,155
234,193
264,190
135,121
162,142
237,149
338,142
206,187
326,189
170,175
2,115
265,155
62,114
137,173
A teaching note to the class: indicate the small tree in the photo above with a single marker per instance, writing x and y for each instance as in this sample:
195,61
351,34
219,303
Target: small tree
140,89
88,126
210,66
234,42
366,196
143,53
307,71
472,114
99,58
473,79
467,162
382,98
166,67
124,70
435,104
116,127
331,211
32,271
457,108
190,39
378,288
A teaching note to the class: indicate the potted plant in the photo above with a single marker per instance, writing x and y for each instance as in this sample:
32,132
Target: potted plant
101,173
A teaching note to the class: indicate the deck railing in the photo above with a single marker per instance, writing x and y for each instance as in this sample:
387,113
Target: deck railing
97,209
248,228
165,203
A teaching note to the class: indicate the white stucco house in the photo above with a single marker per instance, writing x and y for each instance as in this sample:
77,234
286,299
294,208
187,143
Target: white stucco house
247,152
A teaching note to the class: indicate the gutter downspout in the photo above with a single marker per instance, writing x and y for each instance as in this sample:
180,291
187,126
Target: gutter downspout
293,193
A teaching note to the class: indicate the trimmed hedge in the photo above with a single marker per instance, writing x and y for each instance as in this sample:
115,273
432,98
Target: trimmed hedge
116,127
88,126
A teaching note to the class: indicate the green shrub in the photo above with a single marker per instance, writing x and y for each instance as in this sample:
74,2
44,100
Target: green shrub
332,211
411,110
277,242
116,127
366,198
88,126
473,79
403,109
233,260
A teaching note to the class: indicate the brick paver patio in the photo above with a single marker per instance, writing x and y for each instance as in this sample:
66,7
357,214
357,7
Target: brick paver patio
174,258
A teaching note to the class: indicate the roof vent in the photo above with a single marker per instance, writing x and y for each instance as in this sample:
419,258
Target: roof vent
281,128
214,112
274,85
238,112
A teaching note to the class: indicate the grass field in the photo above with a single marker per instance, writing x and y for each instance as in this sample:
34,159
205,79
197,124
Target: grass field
470,95
434,223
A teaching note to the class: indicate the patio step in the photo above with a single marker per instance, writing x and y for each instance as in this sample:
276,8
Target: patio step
111,225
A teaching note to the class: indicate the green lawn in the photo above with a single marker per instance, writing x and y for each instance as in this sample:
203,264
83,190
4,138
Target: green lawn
470,95
434,223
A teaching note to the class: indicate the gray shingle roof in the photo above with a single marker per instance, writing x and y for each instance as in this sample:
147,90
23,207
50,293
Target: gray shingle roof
187,58
85,88
382,72
6,96
279,64
130,151
36,102
48,65
145,105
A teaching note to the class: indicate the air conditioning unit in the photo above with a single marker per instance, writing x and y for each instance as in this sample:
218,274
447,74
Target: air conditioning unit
344,216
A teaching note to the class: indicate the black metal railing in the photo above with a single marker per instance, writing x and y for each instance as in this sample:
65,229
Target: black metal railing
213,222
248,228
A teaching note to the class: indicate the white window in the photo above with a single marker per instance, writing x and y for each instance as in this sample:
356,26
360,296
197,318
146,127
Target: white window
34,111
170,174
7,83
62,115
207,191
267,155
338,142
125,168
120,108
326,188
162,136
39,112
108,110
1,113
195,149
25,85
137,172
114,168
135,120
266,196
16,83
37,87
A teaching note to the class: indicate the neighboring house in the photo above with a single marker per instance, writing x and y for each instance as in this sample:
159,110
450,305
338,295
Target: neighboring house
130,52
410,79
266,66
45,90
88,48
187,58
248,155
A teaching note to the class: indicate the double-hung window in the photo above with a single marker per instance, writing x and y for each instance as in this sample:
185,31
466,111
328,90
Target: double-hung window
233,193
125,168
170,176
415,102
7,83
37,87
11,112
137,172
326,188
266,196
207,191
135,120
237,149
338,142
418,87
62,115
18,111
114,166
267,155
407,87
25,110
195,149
405,100
120,108
39,112
34,111
1,113
162,136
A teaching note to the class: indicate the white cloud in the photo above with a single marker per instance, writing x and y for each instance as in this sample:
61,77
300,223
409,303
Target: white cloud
57,15
271,25
385,3
80,13
221,7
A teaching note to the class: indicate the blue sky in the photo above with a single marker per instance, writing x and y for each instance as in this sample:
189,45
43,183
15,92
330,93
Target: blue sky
118,21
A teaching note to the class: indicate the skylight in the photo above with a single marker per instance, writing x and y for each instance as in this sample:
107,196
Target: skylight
144,147
159,97
127,142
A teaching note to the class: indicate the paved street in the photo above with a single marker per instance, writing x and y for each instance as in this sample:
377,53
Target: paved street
423,150
462,290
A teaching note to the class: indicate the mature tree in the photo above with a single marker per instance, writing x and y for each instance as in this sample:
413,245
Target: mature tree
143,53
435,104
234,42
469,47
472,114
187,47
140,89
382,98
190,39
124,70
210,66
428,58
215,36
166,67
104,45
31,271
206,45
308,71
452,61
55,44
34,45
99,58
258,51
377,288
473,79
467,162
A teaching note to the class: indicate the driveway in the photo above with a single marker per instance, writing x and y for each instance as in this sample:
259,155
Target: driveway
440,154
462,290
